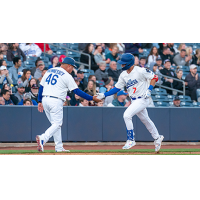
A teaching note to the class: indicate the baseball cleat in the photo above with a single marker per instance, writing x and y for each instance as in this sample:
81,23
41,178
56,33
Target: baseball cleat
63,150
129,144
40,143
158,143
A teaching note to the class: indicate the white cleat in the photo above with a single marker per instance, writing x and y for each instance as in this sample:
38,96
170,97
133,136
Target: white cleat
63,150
129,144
40,143
158,143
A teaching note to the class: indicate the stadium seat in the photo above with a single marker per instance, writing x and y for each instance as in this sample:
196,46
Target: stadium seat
101,83
196,104
90,71
31,58
73,46
86,75
29,62
186,104
29,66
54,49
9,63
161,104
44,58
185,98
4,57
170,97
61,52
170,103
119,66
160,91
198,95
161,98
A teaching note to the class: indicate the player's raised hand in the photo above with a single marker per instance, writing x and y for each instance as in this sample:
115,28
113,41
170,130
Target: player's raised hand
147,94
96,99
100,96
40,107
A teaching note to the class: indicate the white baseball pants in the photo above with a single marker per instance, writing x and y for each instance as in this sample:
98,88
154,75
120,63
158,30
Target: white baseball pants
138,107
54,111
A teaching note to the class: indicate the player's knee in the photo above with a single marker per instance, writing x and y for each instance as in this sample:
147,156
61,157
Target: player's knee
126,116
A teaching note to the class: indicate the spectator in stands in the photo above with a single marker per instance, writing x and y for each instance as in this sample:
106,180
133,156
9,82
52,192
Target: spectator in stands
181,59
120,100
75,100
6,96
15,51
1,55
3,63
47,48
193,81
165,55
113,55
54,61
43,73
100,104
39,69
157,72
27,102
20,92
121,47
93,78
108,85
3,49
4,76
61,58
196,58
91,87
98,55
2,101
133,48
137,62
113,71
14,71
82,80
152,55
12,96
101,73
82,46
143,62
189,53
168,72
83,102
34,92
31,49
172,49
39,60
159,63
31,82
181,46
176,102
176,84
25,78
27,96
85,59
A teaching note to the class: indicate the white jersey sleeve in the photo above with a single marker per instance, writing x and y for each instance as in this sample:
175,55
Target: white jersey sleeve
147,74
121,82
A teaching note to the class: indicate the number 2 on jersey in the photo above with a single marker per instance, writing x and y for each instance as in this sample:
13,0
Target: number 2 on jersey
53,80
134,90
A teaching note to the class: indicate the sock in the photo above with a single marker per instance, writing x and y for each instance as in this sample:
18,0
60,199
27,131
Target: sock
130,135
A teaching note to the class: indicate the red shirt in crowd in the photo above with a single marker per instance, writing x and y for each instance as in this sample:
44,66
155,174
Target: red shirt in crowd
41,45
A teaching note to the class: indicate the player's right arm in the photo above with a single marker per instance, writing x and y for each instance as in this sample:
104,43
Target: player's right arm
118,86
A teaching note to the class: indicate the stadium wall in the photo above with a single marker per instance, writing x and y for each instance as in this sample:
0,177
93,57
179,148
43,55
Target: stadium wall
22,124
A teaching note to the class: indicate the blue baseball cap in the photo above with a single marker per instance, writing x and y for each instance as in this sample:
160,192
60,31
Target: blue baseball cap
69,61
121,93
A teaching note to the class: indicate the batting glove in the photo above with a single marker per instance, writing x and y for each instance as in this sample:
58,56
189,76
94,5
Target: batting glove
100,96
147,94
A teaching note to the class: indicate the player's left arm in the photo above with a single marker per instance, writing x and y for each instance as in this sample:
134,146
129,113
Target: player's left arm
151,86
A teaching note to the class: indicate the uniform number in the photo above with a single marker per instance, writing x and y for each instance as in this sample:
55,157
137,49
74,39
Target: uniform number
134,90
52,80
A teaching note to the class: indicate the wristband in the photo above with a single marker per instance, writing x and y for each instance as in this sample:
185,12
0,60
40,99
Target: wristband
150,87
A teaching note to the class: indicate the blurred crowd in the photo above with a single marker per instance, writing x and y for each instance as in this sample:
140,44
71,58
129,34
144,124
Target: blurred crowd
19,85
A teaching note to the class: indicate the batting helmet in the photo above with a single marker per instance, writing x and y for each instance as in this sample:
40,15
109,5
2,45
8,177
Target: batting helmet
128,60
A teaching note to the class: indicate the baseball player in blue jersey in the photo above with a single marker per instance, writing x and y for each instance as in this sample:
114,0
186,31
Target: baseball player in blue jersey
52,94
136,80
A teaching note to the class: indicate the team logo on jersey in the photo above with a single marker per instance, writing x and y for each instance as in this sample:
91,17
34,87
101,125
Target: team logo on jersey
131,83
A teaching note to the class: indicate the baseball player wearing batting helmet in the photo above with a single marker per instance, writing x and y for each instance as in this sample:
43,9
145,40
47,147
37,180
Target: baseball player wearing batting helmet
136,80
52,94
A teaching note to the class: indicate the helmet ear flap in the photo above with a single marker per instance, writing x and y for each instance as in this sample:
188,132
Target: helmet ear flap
129,65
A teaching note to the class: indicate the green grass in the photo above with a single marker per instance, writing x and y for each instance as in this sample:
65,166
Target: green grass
167,151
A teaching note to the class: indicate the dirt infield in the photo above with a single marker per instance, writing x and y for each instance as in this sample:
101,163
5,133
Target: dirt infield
102,149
